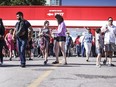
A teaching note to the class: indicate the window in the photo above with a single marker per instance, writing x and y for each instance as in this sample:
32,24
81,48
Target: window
55,2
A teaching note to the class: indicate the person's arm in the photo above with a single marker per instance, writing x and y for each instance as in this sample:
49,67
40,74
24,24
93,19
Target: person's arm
40,33
98,41
2,32
6,37
49,34
71,40
60,27
75,41
14,34
72,44
1,36
104,29
115,31
31,29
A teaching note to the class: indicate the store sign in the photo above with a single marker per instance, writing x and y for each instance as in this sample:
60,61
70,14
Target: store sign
55,12
68,12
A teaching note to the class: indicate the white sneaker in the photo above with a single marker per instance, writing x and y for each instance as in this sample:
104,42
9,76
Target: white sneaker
98,66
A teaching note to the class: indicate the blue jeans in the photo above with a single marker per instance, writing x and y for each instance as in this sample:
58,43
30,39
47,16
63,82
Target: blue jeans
82,50
1,55
21,44
78,50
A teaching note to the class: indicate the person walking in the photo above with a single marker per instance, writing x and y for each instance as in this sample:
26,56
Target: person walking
87,43
99,46
69,43
60,38
109,40
2,32
82,44
45,34
10,43
21,33
78,46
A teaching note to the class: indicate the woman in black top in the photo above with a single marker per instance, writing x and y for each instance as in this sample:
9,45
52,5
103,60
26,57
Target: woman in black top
2,32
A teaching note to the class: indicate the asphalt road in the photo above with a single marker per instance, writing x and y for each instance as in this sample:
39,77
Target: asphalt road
78,73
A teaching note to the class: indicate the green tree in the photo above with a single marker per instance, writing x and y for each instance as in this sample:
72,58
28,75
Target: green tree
4,2
22,2
38,2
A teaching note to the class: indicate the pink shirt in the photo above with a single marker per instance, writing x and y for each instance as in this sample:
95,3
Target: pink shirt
61,30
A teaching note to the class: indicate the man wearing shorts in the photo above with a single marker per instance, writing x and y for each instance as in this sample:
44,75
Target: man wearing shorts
109,40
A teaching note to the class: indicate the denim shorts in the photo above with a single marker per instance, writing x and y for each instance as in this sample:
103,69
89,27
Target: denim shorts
99,51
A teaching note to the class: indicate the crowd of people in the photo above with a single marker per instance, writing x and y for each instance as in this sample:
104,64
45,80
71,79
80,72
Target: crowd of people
19,42
103,43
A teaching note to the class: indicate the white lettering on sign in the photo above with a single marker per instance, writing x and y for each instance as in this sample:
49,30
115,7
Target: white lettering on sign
50,14
55,12
59,14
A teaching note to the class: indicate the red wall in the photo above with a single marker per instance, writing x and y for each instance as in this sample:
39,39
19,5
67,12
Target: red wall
69,12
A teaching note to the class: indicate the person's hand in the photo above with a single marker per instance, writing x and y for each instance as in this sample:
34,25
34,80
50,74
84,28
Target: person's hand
14,37
0,36
106,29
40,34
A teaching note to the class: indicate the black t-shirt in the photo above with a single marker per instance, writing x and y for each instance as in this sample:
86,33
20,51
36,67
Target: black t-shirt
26,25
2,32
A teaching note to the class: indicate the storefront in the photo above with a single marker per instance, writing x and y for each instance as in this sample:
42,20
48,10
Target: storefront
76,17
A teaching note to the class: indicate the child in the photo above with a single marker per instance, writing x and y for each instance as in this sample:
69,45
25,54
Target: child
99,46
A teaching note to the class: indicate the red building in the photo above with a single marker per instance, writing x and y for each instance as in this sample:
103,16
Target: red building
74,16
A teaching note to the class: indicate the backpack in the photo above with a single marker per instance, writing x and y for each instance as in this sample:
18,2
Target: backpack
42,43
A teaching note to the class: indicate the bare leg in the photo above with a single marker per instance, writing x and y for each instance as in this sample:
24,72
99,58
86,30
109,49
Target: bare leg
46,52
105,60
56,50
10,55
106,55
98,59
62,46
29,52
110,58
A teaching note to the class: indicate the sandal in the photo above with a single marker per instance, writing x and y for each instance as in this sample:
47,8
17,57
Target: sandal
45,62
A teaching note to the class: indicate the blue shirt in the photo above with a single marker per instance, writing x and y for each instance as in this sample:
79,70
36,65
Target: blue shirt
88,37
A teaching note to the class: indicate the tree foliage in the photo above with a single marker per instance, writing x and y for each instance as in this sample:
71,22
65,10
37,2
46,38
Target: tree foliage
22,2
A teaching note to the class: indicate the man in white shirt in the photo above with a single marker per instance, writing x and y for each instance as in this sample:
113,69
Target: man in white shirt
109,40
